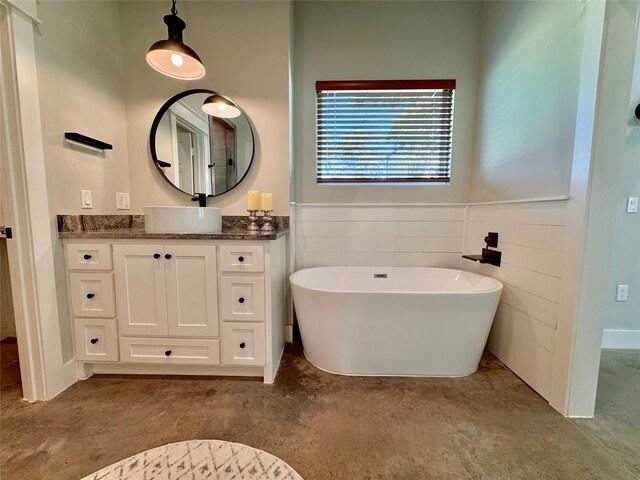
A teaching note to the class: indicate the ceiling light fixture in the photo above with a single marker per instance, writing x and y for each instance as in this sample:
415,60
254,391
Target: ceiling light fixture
218,106
172,57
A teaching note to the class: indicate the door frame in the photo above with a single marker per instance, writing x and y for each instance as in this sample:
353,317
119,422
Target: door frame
602,113
25,207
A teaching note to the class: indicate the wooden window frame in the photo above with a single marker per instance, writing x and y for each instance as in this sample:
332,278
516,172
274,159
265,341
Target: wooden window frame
323,85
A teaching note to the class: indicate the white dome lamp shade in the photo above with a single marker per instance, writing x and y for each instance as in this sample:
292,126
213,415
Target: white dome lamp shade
172,57
218,106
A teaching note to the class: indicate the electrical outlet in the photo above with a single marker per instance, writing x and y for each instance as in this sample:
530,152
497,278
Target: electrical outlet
87,201
122,201
632,205
622,293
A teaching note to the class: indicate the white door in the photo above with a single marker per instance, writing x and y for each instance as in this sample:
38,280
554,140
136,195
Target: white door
185,159
140,289
192,292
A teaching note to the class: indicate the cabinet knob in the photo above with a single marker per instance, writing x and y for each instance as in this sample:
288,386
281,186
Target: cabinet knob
86,256
156,255
242,345
167,256
241,259
241,299
167,353
90,295
94,341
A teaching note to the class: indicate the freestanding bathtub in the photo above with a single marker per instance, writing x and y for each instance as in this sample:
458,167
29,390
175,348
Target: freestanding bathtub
394,320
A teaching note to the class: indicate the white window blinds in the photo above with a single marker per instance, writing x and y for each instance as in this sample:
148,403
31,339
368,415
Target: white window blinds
384,131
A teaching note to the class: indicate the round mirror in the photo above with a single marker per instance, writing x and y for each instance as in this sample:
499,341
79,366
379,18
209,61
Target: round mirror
200,152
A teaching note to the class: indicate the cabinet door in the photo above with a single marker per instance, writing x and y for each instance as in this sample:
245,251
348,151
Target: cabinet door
92,294
241,258
89,256
192,292
242,299
96,339
140,289
243,343
170,351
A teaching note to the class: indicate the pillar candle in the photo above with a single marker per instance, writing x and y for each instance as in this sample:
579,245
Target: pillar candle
267,201
252,200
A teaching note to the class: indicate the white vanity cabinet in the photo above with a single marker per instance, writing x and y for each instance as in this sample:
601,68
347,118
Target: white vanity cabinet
203,307
166,290
92,301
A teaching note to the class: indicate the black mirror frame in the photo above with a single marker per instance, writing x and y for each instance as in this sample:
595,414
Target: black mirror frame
156,122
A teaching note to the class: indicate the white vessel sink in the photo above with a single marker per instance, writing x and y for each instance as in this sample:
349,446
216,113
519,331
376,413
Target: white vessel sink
182,220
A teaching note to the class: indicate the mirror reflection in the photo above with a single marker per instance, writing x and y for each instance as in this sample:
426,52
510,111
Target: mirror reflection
197,152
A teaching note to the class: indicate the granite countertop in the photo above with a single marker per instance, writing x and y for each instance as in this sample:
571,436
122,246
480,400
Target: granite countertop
132,226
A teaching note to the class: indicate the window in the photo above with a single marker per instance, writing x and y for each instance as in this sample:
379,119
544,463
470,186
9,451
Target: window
388,131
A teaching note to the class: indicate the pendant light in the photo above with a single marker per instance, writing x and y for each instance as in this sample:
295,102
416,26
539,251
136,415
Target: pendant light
218,106
172,57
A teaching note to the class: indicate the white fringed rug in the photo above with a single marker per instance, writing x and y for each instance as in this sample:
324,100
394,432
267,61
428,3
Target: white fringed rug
199,460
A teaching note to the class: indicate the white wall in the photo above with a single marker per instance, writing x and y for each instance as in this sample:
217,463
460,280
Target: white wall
622,319
80,79
532,240
244,47
379,235
80,83
380,41
529,65
528,98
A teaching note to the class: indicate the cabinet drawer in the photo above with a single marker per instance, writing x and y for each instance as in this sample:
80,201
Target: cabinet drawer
92,295
241,258
170,351
243,343
96,340
242,299
88,256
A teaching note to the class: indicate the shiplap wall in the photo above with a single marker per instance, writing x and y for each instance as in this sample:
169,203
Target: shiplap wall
532,242
379,235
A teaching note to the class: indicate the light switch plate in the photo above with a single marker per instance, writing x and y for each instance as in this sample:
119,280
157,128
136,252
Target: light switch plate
87,201
632,205
122,201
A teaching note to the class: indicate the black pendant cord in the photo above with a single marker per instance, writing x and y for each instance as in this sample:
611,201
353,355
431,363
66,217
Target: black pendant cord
173,8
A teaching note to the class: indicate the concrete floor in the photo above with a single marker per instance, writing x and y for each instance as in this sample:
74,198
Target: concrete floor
616,425
489,425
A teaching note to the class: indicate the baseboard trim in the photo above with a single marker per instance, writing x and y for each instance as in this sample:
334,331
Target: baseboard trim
622,339
288,333
70,373
152,369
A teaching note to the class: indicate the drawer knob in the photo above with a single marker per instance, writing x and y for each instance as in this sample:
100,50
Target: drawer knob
156,255
242,345
241,299
86,256
167,353
94,341
167,256
90,295
241,259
